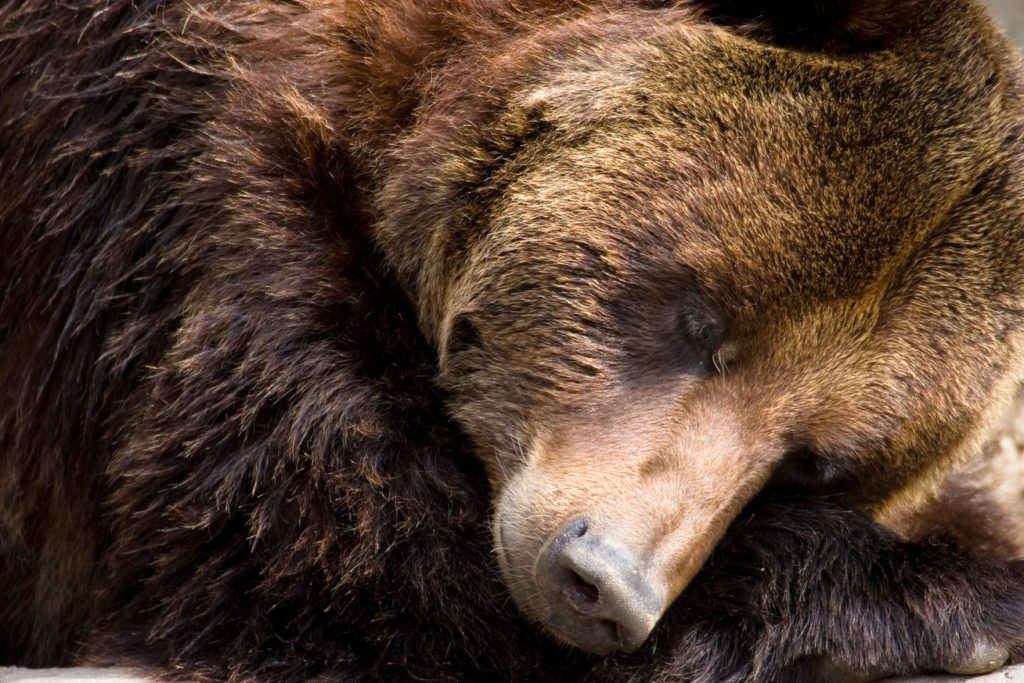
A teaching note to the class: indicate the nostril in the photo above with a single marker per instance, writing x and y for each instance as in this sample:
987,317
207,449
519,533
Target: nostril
581,588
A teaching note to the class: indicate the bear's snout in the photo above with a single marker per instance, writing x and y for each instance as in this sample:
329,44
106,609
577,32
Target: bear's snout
597,592
605,519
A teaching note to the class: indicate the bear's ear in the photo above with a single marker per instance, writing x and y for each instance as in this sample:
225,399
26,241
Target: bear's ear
827,25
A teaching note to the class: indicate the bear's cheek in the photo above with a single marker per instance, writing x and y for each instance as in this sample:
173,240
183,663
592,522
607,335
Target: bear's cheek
608,519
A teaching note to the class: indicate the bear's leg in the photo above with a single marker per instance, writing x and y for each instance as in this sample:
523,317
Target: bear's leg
831,591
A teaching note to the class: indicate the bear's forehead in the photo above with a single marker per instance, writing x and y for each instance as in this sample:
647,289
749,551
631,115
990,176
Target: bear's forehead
765,166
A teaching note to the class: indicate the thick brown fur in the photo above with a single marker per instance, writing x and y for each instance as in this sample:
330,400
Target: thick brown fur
253,312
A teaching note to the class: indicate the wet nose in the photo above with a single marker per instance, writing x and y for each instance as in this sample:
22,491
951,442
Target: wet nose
598,594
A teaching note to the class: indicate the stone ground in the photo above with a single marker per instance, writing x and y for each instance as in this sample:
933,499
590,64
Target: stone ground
1011,447
1010,674
78,675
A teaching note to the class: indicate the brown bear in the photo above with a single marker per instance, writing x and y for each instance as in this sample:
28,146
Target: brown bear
507,339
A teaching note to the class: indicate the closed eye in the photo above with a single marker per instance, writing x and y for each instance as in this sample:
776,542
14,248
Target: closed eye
701,335
805,471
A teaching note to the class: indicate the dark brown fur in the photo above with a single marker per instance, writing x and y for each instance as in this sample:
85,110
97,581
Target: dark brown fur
266,266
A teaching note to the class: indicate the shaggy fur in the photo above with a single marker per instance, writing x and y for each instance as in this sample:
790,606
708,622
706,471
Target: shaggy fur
235,391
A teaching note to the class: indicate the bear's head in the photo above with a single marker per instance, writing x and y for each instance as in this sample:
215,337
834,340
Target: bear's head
668,259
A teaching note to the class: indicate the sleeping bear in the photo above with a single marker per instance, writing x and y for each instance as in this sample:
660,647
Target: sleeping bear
528,340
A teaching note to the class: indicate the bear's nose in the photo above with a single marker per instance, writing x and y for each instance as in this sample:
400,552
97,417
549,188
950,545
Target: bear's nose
597,593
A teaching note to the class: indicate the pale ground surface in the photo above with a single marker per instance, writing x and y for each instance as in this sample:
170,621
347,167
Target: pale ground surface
1014,674
79,675
1011,13
1010,674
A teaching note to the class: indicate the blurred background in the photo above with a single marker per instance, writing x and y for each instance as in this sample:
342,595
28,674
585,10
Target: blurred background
1011,13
